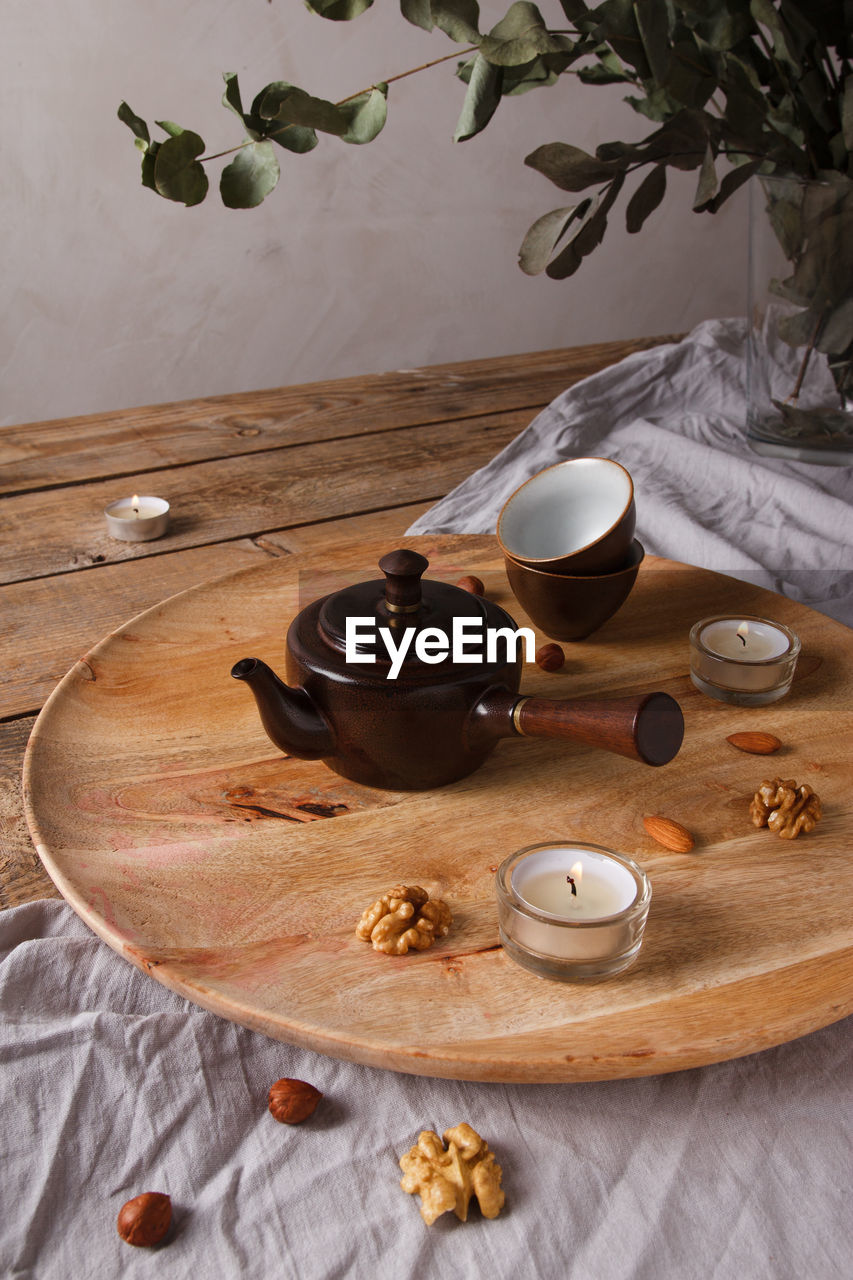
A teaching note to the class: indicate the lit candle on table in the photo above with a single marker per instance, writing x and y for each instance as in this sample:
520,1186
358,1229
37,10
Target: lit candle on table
137,519
744,660
572,911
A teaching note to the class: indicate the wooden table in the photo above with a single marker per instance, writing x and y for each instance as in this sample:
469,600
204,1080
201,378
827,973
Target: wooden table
249,476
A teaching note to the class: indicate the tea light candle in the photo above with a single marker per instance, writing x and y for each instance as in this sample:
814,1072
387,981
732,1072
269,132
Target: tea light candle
572,911
744,660
137,519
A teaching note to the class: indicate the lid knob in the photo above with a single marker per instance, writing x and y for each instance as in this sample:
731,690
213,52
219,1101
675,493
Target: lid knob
403,571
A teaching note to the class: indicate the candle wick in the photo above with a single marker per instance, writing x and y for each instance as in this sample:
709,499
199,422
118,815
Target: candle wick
574,886
742,639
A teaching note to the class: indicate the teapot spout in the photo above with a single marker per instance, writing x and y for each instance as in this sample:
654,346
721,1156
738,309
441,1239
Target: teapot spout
290,717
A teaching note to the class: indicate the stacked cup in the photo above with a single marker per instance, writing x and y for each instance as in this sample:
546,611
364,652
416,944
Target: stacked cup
567,536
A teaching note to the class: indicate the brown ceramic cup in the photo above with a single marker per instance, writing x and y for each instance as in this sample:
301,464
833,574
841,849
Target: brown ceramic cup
571,608
576,517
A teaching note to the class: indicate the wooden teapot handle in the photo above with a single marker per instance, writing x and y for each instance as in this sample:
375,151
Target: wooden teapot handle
648,727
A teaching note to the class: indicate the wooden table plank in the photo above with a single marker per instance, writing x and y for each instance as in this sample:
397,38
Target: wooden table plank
245,496
51,622
333,533
134,441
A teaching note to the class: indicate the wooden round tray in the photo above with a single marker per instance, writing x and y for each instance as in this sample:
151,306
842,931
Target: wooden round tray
236,876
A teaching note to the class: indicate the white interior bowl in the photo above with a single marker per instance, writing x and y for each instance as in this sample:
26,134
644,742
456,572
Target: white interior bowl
560,519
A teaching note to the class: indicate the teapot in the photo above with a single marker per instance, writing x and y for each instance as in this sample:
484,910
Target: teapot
380,689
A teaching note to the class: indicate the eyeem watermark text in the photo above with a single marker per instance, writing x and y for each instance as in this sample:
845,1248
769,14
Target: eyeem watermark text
432,644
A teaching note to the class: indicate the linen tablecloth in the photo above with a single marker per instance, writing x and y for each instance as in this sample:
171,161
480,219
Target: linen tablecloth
674,416
112,1085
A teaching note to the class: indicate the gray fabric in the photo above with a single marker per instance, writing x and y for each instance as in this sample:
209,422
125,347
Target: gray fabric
674,417
112,1085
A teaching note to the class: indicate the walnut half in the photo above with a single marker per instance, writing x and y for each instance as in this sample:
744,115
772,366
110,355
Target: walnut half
785,808
446,1179
404,917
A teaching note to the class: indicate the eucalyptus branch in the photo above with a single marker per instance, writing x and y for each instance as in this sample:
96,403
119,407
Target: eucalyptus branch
783,76
217,155
795,394
401,75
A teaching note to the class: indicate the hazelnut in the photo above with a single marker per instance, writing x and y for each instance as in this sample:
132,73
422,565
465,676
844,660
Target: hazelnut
145,1219
550,657
472,584
292,1101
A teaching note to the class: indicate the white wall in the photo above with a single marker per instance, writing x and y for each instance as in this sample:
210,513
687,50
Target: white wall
393,255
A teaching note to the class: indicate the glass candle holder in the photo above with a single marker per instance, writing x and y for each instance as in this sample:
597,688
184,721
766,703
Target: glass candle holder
743,660
572,911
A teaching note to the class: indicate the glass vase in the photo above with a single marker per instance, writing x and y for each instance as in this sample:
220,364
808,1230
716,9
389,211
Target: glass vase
800,340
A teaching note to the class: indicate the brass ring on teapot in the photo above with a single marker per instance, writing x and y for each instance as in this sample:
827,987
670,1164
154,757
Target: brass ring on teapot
516,715
402,608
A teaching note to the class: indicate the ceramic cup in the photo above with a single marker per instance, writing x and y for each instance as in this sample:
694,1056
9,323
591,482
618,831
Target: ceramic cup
576,517
571,608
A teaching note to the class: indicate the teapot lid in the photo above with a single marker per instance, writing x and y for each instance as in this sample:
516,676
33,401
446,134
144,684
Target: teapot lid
402,600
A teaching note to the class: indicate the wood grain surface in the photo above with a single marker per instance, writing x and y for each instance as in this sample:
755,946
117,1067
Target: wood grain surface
236,876
94,446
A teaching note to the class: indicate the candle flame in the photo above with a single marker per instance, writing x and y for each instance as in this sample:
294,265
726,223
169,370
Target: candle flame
134,502
577,873
742,632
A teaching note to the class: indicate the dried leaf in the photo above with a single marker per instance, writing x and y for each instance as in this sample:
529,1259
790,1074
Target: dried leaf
568,167
847,113
293,137
365,115
799,328
519,37
149,161
607,70
783,204
571,254
544,235
731,181
646,198
538,74
617,23
177,173
765,13
723,26
819,428
458,19
588,236
481,99
287,104
653,20
418,12
135,123
708,184
250,177
231,97
836,335
338,10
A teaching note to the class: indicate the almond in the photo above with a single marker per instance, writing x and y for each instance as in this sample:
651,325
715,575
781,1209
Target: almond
757,744
668,833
